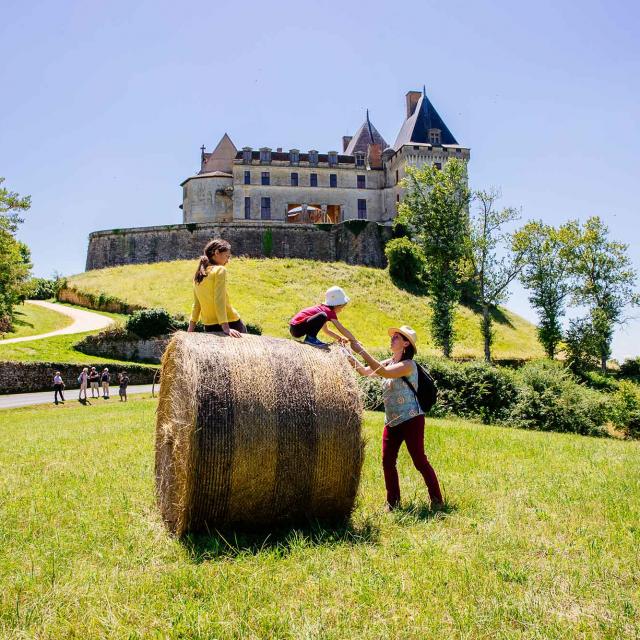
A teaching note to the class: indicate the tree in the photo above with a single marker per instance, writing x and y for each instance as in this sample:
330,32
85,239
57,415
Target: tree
546,275
492,273
436,210
605,279
14,255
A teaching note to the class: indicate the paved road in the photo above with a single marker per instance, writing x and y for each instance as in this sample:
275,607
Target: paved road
46,397
82,321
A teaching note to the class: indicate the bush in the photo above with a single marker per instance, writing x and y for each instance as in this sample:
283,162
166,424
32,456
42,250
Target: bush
42,289
625,409
148,323
406,261
371,387
551,399
254,328
5,324
630,368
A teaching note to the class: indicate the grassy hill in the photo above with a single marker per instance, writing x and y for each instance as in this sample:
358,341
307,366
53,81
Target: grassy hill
540,541
31,319
269,292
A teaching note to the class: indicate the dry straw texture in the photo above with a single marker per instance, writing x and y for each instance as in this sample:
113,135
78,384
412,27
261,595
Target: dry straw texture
255,432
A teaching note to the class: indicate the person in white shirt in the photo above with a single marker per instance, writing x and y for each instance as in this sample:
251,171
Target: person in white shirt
58,387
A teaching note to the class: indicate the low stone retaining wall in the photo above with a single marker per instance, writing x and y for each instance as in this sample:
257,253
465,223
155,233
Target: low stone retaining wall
26,377
138,350
99,302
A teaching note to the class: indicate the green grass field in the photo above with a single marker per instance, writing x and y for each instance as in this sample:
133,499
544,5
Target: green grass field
30,320
269,292
540,541
56,348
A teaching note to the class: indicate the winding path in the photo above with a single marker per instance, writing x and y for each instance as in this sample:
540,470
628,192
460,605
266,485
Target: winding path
82,321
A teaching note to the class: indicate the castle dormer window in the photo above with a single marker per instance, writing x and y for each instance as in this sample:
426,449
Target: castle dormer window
435,136
265,155
294,156
333,158
313,157
359,159
246,155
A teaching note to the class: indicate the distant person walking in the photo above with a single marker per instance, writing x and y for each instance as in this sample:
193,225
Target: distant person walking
83,380
210,297
404,418
105,378
58,387
124,383
94,381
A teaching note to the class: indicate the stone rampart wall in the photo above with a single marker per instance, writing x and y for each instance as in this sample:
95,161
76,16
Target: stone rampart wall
354,242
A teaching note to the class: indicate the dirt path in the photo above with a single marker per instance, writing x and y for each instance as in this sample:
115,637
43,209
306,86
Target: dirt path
82,321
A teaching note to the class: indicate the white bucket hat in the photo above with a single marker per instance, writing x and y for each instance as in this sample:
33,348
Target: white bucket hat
406,332
335,296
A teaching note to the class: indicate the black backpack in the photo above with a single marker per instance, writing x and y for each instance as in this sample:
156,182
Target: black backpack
427,392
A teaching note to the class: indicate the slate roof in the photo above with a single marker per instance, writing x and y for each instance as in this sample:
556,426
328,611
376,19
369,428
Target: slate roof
416,126
283,156
367,134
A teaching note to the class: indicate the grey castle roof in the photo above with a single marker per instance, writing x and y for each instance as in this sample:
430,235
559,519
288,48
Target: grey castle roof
416,127
367,134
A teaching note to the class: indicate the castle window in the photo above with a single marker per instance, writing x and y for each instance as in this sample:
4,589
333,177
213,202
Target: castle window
362,209
294,156
397,177
397,197
265,208
247,177
435,136
265,155
246,155
333,180
313,157
294,179
265,178
361,182
247,208
313,179
333,158
359,159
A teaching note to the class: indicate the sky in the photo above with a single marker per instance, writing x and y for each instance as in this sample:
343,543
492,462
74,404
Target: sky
105,105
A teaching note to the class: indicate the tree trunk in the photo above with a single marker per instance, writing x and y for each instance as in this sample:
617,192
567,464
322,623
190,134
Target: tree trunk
603,364
486,331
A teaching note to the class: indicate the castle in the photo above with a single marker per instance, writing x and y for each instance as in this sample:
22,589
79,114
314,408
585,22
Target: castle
362,182
288,204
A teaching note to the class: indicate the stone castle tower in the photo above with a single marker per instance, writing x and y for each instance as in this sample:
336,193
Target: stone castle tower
362,182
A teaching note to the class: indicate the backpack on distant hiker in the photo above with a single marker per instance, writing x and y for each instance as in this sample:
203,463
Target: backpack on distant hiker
427,392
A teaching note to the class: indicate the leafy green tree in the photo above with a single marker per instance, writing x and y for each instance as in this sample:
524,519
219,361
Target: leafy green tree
436,210
605,279
15,262
547,277
494,267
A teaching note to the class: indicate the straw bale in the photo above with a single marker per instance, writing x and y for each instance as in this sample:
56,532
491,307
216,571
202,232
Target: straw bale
255,432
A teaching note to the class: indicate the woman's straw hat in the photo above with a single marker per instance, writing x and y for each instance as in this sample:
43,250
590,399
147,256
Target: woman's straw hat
407,332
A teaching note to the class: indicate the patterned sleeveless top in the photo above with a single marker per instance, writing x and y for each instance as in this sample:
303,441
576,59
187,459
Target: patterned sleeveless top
400,403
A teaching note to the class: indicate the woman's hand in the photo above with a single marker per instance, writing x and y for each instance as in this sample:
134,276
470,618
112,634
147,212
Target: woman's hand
231,332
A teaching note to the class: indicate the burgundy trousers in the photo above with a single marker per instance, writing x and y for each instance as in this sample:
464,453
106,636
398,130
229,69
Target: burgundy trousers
412,433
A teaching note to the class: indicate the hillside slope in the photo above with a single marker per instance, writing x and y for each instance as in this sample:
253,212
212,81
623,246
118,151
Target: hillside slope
269,291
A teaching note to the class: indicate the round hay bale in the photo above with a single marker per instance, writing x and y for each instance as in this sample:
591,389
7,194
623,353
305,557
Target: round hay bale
255,432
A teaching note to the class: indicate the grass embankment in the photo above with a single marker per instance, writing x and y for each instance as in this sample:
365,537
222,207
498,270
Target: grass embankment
270,291
541,541
31,320
57,349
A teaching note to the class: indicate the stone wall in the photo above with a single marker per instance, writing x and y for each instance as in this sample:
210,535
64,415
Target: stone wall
354,242
25,377
135,349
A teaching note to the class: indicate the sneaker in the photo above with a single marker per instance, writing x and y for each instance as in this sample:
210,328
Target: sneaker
314,342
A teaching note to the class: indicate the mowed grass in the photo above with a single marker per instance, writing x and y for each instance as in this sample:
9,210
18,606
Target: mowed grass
31,319
540,540
57,348
270,291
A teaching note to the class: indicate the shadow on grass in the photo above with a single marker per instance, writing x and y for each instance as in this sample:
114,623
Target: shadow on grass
279,542
497,314
415,288
419,511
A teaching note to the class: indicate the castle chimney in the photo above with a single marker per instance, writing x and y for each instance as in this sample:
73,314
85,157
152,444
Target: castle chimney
374,156
412,101
345,142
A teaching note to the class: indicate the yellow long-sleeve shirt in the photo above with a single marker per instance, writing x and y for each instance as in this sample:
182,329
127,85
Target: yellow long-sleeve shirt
211,300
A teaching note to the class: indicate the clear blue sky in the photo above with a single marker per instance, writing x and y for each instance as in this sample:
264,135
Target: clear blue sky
105,104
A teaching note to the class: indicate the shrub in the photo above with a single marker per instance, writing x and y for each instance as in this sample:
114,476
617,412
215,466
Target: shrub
254,328
551,399
630,368
625,409
5,324
42,289
148,323
267,243
406,261
581,345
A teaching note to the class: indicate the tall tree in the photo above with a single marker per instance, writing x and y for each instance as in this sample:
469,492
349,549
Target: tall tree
547,277
14,255
605,279
436,209
494,266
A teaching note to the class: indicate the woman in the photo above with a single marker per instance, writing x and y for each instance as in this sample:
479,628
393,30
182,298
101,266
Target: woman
404,419
82,381
210,297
